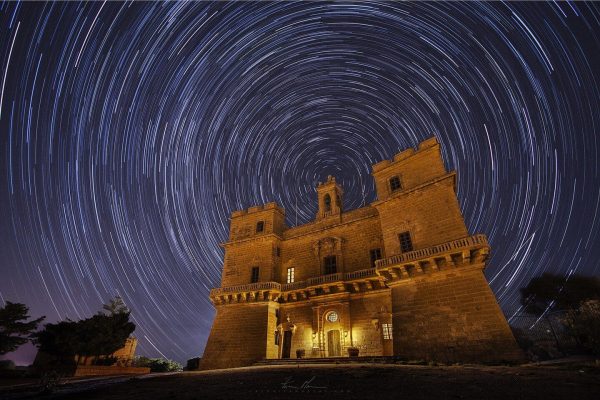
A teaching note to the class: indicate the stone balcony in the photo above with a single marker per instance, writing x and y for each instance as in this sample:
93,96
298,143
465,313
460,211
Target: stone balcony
457,253
470,250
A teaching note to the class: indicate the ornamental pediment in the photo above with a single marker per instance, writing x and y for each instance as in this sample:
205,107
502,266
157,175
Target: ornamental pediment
328,245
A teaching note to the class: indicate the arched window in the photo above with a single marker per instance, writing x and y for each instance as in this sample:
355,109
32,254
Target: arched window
327,200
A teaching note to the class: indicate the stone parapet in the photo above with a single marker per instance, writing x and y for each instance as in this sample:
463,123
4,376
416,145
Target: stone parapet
456,253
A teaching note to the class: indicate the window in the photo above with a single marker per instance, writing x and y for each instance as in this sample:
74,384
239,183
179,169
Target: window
254,275
276,337
290,275
330,265
375,255
387,331
395,183
327,201
278,251
405,242
260,226
332,316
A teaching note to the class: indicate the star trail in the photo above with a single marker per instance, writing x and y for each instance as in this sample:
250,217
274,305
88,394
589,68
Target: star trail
130,131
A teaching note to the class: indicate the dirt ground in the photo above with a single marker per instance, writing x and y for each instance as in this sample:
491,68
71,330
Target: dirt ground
358,381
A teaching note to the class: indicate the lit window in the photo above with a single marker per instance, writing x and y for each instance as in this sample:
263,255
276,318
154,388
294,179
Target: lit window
254,278
405,242
387,331
260,226
290,275
375,255
395,184
332,316
330,265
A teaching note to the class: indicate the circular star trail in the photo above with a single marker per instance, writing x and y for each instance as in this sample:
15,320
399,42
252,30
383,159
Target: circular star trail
130,131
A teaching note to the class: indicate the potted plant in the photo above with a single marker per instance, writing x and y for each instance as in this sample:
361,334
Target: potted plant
300,353
353,351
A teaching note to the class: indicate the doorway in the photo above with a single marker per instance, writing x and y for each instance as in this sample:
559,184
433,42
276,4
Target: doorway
287,344
334,348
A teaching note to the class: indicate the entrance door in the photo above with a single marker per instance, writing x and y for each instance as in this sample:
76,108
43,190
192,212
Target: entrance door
333,344
287,344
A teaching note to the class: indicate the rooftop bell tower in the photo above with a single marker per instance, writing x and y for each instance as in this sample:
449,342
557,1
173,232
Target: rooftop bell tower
330,198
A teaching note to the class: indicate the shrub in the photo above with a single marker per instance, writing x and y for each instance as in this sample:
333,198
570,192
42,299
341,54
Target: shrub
157,364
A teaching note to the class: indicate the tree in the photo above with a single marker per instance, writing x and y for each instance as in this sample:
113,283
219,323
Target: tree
105,334
62,340
558,293
116,306
584,324
99,335
14,328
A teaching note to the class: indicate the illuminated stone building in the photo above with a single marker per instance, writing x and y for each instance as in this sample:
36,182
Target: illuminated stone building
400,277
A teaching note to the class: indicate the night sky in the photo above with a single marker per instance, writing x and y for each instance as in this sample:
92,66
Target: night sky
130,131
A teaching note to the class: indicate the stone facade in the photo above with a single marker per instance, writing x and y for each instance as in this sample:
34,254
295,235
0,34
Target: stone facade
400,277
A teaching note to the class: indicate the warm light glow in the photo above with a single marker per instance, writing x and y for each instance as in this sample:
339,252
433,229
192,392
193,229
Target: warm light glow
387,331
332,316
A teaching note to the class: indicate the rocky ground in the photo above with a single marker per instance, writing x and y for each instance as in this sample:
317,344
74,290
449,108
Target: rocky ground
347,381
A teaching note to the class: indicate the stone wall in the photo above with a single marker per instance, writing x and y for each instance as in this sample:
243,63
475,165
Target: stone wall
356,239
367,313
242,256
450,316
412,167
239,335
431,214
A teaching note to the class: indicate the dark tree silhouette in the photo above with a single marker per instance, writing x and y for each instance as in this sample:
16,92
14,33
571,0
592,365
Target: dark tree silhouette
99,335
105,334
115,306
558,293
15,330
62,340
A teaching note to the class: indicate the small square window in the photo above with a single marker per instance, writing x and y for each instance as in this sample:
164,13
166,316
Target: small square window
395,183
330,265
375,255
260,226
405,242
254,277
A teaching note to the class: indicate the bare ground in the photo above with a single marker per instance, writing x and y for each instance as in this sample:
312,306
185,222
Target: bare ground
357,381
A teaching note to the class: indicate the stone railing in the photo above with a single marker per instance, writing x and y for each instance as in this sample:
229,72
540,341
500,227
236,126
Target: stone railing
325,279
286,287
246,288
466,242
293,286
363,273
